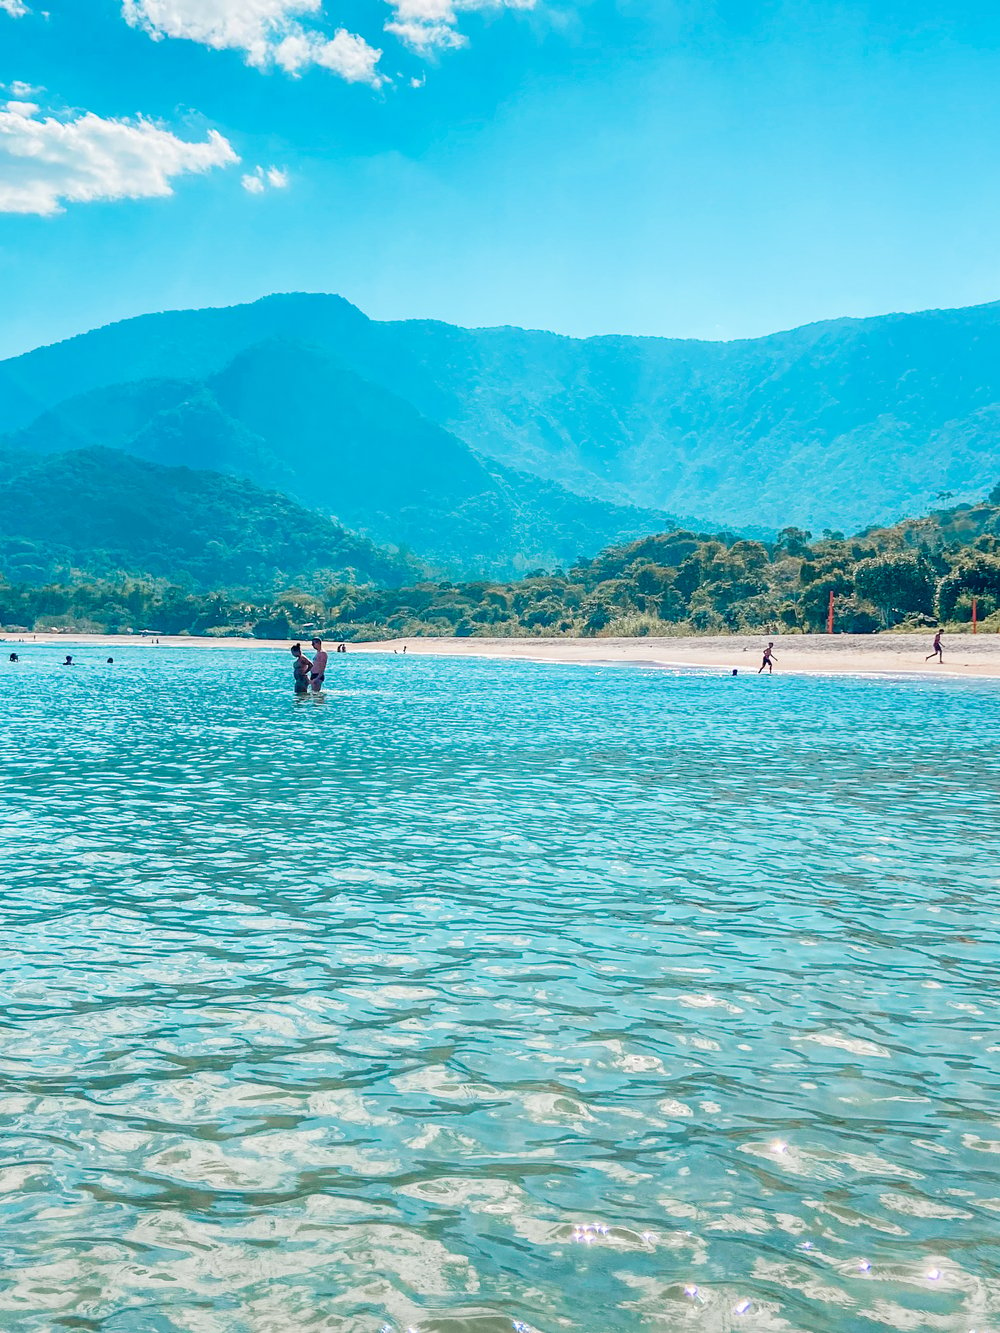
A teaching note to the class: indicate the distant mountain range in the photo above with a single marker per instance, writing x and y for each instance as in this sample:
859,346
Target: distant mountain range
288,416
497,450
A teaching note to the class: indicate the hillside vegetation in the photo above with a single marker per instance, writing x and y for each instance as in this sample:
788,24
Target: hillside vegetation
919,572
95,514
288,417
839,424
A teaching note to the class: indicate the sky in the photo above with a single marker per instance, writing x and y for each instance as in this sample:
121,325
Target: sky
688,168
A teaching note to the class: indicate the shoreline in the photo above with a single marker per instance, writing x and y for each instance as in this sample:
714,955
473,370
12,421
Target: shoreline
966,655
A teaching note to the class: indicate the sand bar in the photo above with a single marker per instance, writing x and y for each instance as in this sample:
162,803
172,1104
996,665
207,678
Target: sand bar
973,655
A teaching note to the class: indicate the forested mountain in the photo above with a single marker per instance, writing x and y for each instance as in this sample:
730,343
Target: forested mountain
97,513
289,417
917,573
839,424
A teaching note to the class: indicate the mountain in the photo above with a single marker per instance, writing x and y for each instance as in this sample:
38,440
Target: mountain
840,424
290,417
98,513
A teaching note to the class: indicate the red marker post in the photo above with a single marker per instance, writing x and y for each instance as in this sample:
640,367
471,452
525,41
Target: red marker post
829,615
974,615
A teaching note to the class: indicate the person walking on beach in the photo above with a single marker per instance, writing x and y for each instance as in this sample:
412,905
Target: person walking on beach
318,666
769,659
301,668
936,651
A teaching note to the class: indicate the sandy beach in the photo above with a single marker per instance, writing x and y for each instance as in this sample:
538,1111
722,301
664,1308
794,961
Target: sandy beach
854,654
973,655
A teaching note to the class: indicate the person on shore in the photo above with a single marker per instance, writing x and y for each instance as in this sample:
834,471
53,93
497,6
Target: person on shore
318,666
301,669
769,659
936,651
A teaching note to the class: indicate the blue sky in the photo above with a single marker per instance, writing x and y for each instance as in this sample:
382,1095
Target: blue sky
638,166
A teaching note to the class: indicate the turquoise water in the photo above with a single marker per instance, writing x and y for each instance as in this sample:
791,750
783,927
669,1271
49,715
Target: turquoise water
478,995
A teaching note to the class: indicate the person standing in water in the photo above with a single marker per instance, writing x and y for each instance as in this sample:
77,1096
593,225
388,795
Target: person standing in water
301,668
318,666
769,659
936,651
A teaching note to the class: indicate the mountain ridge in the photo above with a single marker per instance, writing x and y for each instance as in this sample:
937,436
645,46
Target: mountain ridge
288,416
829,322
839,423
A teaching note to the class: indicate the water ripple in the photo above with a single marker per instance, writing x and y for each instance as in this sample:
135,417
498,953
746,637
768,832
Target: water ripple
476,997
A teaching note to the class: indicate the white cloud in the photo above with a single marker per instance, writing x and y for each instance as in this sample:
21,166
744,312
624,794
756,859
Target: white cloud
24,90
268,32
349,56
260,179
14,8
427,25
45,161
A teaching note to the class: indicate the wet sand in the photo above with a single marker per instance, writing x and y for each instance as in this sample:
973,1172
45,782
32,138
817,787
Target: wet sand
974,655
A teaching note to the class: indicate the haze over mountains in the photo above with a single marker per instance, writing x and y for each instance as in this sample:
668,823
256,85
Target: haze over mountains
494,450
287,416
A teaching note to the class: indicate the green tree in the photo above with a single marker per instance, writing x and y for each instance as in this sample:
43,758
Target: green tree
793,541
976,576
896,584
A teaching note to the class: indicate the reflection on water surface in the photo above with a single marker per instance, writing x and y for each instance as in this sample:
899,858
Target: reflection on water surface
493,995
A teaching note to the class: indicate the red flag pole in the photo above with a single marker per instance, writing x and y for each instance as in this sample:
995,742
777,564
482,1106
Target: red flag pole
829,615
974,617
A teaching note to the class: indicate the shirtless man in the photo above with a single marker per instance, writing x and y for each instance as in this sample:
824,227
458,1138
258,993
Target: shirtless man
769,659
936,651
318,665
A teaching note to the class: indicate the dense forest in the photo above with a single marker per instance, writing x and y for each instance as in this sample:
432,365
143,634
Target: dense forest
95,514
920,572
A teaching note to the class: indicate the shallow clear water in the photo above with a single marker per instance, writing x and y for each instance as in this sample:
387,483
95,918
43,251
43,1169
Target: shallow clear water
482,994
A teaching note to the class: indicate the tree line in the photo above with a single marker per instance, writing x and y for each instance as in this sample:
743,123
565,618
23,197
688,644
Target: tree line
917,573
